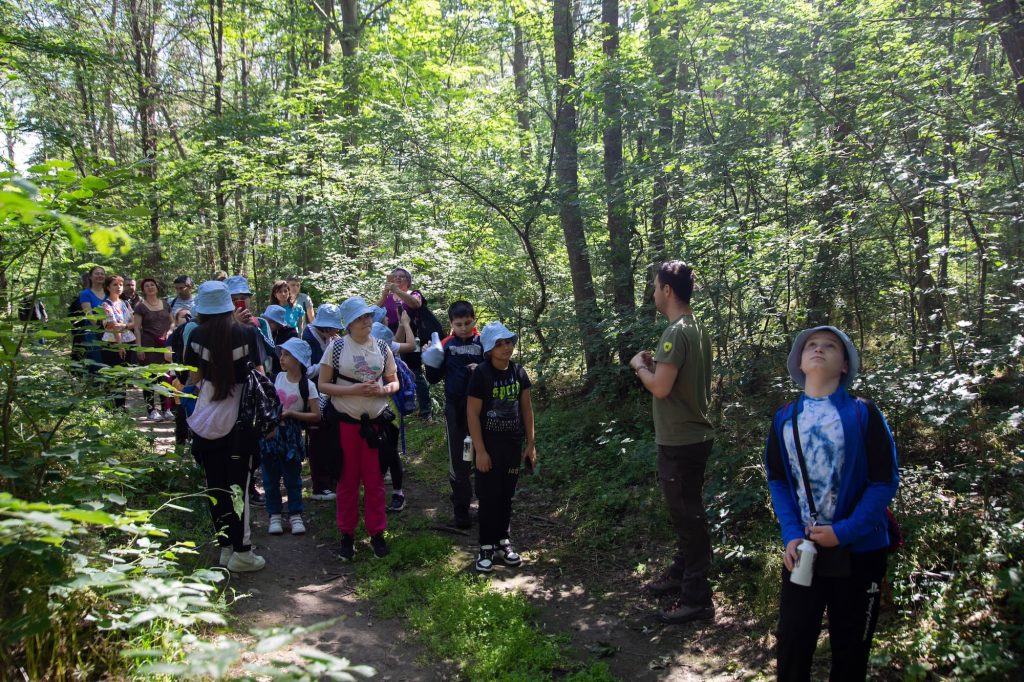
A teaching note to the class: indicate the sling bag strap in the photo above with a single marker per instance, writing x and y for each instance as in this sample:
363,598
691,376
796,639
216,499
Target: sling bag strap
803,466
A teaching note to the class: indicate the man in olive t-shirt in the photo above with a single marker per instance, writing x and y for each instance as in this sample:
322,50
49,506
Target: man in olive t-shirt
678,375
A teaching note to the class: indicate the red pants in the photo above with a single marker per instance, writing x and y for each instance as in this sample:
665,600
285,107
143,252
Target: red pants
361,465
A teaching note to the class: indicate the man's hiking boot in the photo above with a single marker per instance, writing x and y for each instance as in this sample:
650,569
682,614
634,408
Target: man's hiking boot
666,583
680,613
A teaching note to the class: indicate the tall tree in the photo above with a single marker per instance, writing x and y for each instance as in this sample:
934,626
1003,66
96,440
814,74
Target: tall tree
142,18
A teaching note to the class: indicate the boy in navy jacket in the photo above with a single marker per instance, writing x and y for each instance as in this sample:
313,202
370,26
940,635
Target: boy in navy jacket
462,352
849,464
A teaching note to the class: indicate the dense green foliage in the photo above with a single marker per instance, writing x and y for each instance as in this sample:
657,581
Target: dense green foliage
857,162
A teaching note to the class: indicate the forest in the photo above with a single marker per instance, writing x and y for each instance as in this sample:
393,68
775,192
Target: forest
858,163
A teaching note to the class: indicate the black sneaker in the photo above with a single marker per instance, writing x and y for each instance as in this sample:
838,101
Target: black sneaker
380,548
508,554
680,613
255,499
348,548
485,559
397,502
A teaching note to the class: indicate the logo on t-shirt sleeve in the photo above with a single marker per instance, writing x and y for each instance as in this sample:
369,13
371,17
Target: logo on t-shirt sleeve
667,346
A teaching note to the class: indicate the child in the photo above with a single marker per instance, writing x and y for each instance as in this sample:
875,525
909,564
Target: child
462,352
839,449
324,451
391,461
499,414
358,372
280,332
284,450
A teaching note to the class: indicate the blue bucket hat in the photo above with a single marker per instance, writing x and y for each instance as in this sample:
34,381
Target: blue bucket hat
354,308
381,331
298,349
213,298
494,332
275,313
852,357
328,316
378,313
237,285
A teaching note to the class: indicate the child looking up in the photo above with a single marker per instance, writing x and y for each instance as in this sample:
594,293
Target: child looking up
462,352
832,471
499,414
284,450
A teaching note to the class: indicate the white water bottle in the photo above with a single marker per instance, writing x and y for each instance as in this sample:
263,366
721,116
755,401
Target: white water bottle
803,571
433,356
467,449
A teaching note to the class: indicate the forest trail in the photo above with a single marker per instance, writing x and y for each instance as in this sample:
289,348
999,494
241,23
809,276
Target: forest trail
597,605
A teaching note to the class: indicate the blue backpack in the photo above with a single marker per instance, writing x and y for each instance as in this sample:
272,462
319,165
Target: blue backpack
405,399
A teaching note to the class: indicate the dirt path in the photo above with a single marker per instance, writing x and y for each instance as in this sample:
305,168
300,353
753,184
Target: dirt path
595,601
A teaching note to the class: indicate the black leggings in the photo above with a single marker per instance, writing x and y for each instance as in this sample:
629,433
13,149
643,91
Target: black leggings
112,358
224,467
852,604
496,488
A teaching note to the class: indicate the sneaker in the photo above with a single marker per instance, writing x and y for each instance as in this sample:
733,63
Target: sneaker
508,554
168,415
324,495
485,559
154,416
380,548
298,527
225,555
348,548
276,526
666,583
397,502
246,562
680,613
255,499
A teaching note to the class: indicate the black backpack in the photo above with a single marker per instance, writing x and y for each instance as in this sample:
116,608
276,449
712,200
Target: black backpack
260,408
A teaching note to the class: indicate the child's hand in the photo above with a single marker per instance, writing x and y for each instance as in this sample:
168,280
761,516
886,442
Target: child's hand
483,462
823,536
367,389
790,556
288,413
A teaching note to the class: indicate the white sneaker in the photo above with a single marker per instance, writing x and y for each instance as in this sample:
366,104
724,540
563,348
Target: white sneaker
225,555
324,495
168,415
154,416
298,527
276,526
246,562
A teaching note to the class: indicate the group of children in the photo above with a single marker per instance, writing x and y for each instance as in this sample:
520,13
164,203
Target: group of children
335,384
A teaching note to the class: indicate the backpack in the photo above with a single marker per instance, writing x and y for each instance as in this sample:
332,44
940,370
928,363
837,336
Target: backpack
260,408
327,412
424,322
405,399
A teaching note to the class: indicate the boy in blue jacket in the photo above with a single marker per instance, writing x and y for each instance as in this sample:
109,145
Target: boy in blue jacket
462,353
849,463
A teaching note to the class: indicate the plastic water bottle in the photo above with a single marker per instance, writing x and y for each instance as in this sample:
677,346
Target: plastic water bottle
467,449
433,356
803,572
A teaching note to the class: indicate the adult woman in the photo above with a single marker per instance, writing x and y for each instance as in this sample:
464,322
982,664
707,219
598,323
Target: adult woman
90,299
302,300
221,349
366,376
281,294
397,298
118,331
152,321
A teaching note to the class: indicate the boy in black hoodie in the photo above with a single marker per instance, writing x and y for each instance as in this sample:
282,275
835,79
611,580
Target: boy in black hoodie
462,352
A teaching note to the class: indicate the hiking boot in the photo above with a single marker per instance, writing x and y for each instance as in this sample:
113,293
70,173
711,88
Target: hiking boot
666,583
245,562
397,502
276,526
225,555
324,495
380,548
298,527
485,559
508,554
347,551
680,613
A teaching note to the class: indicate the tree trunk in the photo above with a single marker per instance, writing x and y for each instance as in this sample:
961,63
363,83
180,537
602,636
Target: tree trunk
567,178
1007,14
620,255
519,66
216,24
142,16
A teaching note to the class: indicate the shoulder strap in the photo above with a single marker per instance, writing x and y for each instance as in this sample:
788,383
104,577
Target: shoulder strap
304,392
803,466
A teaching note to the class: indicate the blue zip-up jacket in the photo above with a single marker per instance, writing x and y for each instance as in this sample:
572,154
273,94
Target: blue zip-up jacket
868,480
458,355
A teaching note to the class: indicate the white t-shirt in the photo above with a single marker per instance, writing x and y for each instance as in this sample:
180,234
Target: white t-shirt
289,394
363,362
824,446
